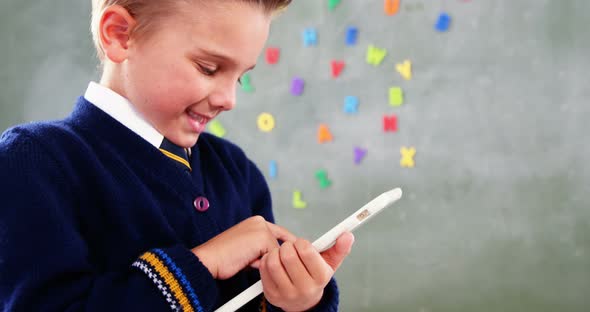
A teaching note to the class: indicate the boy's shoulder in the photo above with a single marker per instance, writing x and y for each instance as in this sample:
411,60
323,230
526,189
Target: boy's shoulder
46,134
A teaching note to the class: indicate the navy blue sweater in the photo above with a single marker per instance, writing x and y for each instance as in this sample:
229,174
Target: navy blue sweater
94,218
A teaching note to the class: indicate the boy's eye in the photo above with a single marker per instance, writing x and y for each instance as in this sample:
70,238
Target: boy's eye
207,71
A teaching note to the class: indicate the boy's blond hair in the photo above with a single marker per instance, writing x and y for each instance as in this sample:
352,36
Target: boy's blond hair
148,12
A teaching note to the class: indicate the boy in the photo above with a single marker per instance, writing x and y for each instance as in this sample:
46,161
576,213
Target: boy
119,208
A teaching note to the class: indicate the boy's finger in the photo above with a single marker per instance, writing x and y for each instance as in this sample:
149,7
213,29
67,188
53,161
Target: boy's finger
255,264
335,255
293,265
317,267
277,272
267,283
281,233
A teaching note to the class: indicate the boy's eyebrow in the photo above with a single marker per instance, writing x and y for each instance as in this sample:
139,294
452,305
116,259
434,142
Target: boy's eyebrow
220,56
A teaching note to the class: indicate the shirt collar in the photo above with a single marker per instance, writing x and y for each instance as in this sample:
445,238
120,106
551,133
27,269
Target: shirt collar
123,111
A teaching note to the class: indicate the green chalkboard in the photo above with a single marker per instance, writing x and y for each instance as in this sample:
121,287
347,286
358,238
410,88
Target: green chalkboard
495,214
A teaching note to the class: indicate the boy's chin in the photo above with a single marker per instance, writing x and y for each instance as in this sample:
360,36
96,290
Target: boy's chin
191,142
185,141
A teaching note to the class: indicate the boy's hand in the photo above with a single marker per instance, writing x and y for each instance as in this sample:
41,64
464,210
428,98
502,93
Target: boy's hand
294,276
239,246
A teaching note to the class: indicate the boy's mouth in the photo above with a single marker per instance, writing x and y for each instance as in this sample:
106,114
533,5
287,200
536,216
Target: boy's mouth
198,121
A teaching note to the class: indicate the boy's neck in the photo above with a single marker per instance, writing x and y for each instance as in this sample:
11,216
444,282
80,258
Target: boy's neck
110,78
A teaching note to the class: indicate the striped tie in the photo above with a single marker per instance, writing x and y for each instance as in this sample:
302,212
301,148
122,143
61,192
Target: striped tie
176,153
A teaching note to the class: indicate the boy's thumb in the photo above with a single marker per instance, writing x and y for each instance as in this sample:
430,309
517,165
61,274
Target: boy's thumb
336,254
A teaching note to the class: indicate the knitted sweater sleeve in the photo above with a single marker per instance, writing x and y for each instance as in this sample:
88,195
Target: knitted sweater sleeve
262,205
44,260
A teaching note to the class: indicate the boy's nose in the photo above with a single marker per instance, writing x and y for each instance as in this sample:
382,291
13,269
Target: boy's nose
224,98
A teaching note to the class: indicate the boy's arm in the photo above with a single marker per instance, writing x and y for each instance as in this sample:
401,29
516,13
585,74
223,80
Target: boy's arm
44,260
262,205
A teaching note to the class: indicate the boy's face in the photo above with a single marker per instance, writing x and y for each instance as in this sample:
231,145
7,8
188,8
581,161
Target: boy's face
186,73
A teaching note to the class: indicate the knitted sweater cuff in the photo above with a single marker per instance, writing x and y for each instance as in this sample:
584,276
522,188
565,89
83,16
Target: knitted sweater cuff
180,277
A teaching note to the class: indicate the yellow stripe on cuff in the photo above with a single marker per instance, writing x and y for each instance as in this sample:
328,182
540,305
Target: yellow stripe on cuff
169,279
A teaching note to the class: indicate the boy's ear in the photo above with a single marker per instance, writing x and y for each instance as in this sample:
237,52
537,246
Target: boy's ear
115,29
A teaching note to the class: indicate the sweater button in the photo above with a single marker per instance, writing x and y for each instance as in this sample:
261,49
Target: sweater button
201,204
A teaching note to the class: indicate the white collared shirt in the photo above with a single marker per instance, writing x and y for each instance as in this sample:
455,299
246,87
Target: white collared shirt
123,111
